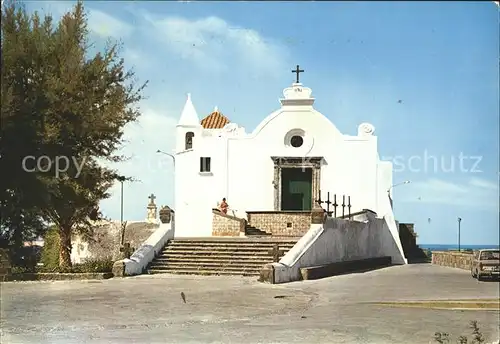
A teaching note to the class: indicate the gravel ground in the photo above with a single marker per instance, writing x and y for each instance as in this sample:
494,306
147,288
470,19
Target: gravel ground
149,309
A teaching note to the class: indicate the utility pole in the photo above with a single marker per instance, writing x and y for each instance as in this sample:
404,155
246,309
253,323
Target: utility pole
459,220
121,203
121,179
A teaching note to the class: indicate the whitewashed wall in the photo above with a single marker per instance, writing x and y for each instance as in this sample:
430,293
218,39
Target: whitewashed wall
242,169
339,240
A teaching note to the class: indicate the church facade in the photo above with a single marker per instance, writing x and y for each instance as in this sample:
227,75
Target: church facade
294,157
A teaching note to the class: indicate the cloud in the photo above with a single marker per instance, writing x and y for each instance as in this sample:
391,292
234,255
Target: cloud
136,56
481,183
177,55
57,8
154,130
475,192
151,172
202,47
216,45
105,25
99,23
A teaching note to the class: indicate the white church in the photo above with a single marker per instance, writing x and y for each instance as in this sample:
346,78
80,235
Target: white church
281,166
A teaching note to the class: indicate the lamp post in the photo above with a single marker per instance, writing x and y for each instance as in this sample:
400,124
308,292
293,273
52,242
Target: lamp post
173,160
170,155
459,220
121,179
393,186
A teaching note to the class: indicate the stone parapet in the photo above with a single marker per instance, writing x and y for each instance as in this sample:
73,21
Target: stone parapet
281,223
460,260
227,225
150,248
337,241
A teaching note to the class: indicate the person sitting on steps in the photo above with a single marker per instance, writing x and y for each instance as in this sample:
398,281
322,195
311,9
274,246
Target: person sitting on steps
224,206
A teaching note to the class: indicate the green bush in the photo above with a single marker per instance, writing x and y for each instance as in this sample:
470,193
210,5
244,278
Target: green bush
50,258
20,269
477,336
50,251
89,265
94,265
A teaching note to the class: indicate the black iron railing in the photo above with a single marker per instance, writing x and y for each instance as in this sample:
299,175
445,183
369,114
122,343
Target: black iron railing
345,205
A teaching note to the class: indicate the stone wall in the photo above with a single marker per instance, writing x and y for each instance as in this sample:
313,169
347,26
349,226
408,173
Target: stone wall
461,260
281,223
337,240
226,225
105,240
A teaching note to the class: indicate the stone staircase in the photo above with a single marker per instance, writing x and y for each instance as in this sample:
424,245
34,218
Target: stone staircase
417,255
413,253
251,230
218,256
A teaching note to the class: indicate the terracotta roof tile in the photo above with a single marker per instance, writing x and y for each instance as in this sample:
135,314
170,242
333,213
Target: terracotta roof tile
215,120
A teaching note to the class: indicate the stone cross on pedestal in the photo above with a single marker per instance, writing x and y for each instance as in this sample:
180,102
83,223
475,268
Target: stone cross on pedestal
277,253
151,217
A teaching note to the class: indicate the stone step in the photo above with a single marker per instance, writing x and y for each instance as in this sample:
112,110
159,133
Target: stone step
216,265
234,240
218,256
204,272
213,268
220,249
229,243
224,248
240,251
255,231
219,259
231,253
194,270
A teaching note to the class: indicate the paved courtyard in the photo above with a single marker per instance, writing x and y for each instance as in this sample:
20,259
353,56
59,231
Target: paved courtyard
149,309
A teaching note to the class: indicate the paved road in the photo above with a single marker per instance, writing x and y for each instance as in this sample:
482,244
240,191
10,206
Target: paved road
149,309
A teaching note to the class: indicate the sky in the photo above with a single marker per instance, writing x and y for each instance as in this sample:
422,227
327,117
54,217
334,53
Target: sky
425,74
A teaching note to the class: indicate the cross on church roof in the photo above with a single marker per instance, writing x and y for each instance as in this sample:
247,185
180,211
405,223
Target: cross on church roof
297,70
152,198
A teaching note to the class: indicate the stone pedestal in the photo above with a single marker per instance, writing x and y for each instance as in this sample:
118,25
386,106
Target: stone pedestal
152,213
166,214
318,216
152,210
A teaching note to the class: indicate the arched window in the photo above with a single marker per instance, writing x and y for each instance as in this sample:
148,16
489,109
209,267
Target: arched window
189,140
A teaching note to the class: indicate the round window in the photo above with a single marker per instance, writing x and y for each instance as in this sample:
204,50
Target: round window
296,141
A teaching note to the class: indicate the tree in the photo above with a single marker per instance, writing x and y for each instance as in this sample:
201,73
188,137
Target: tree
66,106
20,219
18,226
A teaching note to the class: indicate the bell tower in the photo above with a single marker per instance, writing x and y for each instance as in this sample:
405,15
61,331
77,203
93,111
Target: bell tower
188,127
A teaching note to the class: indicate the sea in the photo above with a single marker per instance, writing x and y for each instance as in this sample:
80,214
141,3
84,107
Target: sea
437,247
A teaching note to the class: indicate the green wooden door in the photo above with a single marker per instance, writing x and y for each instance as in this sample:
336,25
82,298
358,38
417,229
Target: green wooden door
296,189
